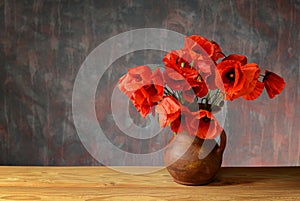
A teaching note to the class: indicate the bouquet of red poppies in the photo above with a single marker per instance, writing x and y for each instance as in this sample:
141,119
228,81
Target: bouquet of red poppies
194,82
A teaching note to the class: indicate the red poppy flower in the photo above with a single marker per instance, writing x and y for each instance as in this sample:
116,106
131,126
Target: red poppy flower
251,73
168,110
189,64
200,123
140,100
236,80
190,87
230,78
183,77
237,57
181,123
199,88
175,80
204,125
199,43
202,63
211,79
180,60
143,87
134,79
190,95
256,92
274,83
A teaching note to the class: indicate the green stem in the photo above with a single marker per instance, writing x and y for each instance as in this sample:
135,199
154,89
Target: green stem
207,98
219,97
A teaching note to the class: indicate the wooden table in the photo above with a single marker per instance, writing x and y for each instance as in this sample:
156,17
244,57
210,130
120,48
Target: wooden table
102,183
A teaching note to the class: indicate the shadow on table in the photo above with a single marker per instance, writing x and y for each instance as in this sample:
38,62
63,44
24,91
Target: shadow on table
224,179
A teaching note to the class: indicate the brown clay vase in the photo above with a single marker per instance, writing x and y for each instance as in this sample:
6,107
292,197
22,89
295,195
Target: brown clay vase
194,161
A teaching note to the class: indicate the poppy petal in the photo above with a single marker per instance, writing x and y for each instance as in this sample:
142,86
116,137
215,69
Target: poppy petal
274,83
256,92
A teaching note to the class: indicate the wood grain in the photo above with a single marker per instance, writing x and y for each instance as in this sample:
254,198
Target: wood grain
102,183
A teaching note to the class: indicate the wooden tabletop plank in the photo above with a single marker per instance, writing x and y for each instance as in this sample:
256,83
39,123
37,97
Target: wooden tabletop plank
103,183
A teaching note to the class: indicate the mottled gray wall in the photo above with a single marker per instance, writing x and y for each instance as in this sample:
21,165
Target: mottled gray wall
44,43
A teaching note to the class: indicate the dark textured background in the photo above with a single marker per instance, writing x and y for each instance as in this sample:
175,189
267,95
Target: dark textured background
44,43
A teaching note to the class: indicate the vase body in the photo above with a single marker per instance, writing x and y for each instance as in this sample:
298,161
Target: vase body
194,161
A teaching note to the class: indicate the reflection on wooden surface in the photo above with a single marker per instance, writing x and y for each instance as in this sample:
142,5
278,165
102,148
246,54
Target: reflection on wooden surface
102,183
